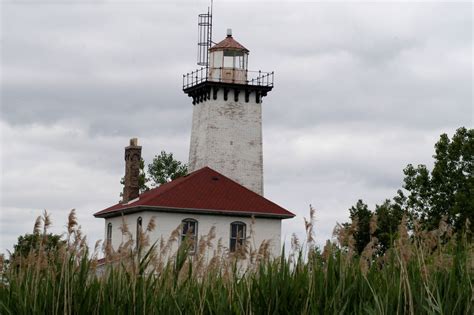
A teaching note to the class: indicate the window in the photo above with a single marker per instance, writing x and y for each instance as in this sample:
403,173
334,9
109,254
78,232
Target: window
234,59
139,230
237,235
228,59
109,234
240,61
189,230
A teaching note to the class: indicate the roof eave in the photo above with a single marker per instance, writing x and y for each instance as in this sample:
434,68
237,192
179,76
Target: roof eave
229,48
128,210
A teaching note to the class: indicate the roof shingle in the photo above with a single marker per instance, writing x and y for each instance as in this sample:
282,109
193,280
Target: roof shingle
206,191
228,43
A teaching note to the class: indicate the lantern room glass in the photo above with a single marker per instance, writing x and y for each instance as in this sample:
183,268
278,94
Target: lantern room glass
228,65
234,59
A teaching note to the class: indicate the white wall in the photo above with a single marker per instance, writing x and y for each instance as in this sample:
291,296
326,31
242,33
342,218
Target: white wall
264,229
227,137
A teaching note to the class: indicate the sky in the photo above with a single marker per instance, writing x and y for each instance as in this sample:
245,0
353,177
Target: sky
361,90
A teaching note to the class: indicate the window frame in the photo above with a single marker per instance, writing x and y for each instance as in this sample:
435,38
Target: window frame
238,59
139,230
233,240
194,235
109,234
228,61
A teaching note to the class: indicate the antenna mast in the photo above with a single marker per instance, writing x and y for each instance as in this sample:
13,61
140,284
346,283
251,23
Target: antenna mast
204,37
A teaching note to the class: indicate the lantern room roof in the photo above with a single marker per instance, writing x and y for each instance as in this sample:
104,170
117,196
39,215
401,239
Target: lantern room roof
229,43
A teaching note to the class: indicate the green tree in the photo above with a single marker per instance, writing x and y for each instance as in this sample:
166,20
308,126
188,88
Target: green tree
445,192
165,168
32,242
448,190
389,216
360,216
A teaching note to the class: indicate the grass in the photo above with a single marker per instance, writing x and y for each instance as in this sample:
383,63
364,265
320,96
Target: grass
423,273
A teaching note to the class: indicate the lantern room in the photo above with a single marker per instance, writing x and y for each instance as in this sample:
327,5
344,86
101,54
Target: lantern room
228,61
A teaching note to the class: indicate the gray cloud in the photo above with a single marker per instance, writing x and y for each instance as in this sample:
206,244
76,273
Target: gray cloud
361,90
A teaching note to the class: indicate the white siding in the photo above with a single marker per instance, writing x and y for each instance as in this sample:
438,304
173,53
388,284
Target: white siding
166,222
227,137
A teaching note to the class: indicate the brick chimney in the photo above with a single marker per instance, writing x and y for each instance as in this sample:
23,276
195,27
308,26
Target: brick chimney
133,154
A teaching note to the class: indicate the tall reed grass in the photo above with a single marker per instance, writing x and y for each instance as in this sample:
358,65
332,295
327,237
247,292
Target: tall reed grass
427,272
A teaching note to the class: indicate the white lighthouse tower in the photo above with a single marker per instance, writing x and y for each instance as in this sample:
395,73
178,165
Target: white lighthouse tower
227,114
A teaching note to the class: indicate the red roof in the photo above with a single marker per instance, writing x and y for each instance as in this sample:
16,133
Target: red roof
202,191
228,43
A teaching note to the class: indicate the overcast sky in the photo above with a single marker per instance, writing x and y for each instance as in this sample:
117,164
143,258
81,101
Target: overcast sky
361,90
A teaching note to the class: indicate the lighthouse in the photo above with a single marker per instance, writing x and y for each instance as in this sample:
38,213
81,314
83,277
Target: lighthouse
223,191
227,98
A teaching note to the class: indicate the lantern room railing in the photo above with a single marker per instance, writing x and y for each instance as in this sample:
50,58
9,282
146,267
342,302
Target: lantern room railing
256,78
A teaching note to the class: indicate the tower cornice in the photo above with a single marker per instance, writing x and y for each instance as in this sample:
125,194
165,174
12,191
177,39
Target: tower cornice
207,90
